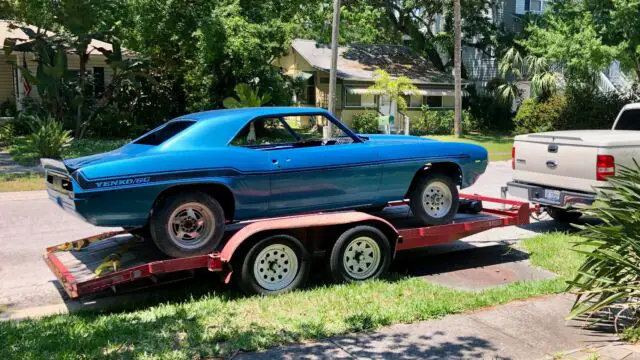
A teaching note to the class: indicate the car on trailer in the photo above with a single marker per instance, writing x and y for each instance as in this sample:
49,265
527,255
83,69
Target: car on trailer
271,256
183,181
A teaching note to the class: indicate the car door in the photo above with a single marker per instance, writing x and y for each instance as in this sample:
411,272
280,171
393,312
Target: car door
324,177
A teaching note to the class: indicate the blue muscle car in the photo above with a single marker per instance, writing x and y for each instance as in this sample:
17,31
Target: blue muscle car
185,179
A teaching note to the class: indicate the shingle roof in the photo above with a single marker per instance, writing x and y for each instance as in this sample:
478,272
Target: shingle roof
358,62
6,31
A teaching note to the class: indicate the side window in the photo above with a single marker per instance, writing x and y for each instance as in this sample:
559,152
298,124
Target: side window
263,131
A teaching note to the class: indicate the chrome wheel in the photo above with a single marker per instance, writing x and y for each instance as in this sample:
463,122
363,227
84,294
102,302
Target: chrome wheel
275,267
190,225
437,199
361,258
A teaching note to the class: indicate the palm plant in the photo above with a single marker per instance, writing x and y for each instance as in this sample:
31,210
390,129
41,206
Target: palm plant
394,89
48,138
610,276
246,97
513,67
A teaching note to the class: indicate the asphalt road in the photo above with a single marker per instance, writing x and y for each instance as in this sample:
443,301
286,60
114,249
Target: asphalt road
29,223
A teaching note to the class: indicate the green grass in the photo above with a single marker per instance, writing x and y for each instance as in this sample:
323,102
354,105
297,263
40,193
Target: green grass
499,146
221,323
21,182
19,149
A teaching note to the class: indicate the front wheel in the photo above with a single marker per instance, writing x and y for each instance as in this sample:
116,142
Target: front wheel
435,199
274,265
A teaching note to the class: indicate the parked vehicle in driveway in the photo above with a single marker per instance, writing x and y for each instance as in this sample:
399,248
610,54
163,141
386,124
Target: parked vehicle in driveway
187,178
561,170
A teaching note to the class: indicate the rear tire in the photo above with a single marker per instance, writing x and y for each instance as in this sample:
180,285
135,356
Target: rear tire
187,224
434,200
274,265
361,253
562,215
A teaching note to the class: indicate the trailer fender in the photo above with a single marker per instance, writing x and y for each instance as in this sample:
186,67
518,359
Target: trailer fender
306,221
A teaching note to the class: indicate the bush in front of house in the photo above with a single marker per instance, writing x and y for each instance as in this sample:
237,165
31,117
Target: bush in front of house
537,116
589,108
437,122
489,113
48,138
366,122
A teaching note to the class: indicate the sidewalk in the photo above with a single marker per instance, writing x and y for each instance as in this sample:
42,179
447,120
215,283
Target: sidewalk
531,329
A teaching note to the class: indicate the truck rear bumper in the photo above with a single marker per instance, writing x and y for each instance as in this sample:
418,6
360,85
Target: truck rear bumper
549,196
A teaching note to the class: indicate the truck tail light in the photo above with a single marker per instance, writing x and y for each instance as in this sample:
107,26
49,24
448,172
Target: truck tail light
513,158
605,166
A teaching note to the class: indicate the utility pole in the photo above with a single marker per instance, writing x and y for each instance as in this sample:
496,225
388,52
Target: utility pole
457,73
335,34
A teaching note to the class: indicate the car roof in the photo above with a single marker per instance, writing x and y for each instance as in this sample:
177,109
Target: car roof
241,114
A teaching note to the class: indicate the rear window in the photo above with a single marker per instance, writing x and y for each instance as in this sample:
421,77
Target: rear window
629,120
164,133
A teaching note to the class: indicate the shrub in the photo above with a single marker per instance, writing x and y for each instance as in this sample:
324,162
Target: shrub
537,116
8,109
610,276
437,122
488,113
7,132
590,109
48,138
366,122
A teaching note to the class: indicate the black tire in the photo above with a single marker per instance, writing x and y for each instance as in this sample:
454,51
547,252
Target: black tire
562,215
418,208
161,228
341,271
248,282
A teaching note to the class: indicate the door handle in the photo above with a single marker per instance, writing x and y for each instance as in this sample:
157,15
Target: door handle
551,164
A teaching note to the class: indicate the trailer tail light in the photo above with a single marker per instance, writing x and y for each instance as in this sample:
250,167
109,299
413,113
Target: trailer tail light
513,158
605,166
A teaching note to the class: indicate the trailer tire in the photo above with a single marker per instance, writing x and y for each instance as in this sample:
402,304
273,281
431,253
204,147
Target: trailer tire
274,265
187,224
361,253
434,201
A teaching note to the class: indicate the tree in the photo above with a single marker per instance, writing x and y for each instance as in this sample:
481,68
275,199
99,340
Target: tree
247,97
513,67
457,72
395,89
586,36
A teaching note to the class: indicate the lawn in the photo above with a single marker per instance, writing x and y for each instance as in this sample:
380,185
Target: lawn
499,146
222,323
34,181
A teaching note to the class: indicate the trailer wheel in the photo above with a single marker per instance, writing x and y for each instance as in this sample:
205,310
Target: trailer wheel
360,253
274,265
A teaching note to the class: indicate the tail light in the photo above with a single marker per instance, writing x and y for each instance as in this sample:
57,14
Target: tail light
513,158
605,166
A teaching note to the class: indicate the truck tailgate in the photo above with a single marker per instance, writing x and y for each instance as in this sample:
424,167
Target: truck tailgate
565,162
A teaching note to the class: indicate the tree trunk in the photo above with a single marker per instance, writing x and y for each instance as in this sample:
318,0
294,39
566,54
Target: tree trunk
457,64
84,57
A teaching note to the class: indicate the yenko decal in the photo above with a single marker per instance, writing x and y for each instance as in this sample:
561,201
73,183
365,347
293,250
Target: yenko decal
121,182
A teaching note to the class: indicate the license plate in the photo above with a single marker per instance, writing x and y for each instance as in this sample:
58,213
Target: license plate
552,195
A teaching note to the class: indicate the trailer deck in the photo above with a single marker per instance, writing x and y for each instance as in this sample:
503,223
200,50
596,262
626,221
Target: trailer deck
107,260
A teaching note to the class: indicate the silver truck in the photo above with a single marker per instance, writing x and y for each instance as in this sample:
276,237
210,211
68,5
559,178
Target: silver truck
561,170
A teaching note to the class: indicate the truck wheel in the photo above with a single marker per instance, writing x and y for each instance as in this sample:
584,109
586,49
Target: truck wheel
187,224
274,265
435,199
562,215
360,253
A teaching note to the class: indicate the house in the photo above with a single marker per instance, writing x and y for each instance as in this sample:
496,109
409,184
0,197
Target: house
15,88
310,62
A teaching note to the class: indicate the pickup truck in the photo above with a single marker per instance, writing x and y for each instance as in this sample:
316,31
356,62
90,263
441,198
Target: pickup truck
561,170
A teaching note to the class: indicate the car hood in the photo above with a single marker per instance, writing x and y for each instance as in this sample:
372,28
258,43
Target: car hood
396,139
125,152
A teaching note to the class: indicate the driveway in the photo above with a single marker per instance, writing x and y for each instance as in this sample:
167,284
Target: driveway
29,223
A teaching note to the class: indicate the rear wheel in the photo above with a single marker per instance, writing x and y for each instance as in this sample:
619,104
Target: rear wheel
360,253
435,199
562,215
274,265
187,224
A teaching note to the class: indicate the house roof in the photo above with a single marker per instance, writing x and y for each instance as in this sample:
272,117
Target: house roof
7,32
358,62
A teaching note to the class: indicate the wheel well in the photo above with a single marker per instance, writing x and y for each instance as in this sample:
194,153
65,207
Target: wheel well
447,168
217,191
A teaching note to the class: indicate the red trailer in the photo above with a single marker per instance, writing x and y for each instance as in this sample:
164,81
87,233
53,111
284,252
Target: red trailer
270,256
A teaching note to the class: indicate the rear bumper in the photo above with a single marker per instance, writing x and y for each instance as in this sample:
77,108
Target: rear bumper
536,195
